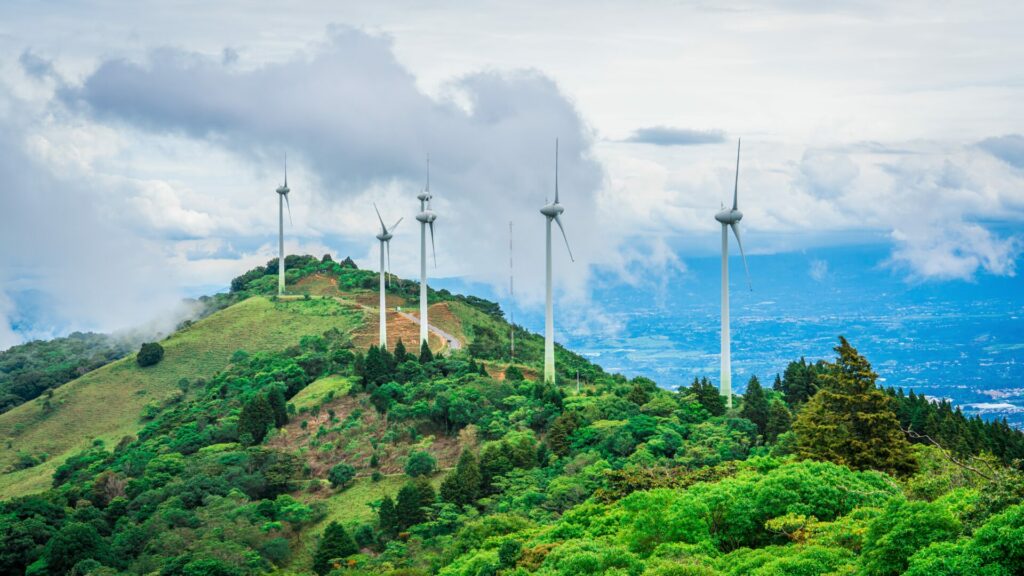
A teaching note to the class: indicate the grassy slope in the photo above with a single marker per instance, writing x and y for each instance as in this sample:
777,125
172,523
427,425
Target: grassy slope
316,393
107,403
351,508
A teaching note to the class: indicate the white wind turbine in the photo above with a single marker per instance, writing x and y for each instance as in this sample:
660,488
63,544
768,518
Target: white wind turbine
385,246
729,218
282,199
552,211
426,217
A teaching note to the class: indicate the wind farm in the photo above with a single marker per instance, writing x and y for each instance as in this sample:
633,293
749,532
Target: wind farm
184,392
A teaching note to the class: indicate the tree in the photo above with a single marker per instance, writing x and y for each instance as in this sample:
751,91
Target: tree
901,530
779,420
400,354
341,475
462,485
278,405
74,542
335,544
560,433
387,517
149,354
413,500
420,463
425,354
849,421
513,374
755,405
256,417
708,396
799,382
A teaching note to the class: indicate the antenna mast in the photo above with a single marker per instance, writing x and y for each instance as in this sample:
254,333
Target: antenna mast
511,295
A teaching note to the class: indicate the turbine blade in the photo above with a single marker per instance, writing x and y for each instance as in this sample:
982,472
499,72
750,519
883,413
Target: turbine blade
289,205
395,225
736,231
558,219
286,169
379,218
736,188
556,170
432,248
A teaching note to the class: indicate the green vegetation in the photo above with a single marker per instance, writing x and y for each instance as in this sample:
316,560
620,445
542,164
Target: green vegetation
149,354
28,370
292,451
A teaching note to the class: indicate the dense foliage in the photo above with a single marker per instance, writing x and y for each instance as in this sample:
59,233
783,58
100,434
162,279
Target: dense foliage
324,458
28,370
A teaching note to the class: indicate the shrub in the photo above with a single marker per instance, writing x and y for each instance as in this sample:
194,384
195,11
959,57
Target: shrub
420,464
149,354
341,475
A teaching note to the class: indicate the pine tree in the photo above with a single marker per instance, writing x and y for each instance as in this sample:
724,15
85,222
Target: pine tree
708,396
462,485
779,420
278,406
425,354
409,507
560,433
335,544
850,421
256,417
400,354
755,405
387,516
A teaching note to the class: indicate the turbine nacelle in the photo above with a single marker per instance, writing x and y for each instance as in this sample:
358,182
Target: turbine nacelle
385,236
424,196
729,217
427,216
552,210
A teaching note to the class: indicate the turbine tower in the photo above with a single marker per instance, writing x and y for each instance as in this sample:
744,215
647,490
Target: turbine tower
385,246
282,199
729,219
426,217
552,211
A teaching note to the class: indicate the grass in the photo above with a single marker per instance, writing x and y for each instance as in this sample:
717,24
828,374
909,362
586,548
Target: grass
351,508
107,403
317,392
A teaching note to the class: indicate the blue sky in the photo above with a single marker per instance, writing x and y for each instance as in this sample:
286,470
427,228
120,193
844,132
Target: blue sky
140,148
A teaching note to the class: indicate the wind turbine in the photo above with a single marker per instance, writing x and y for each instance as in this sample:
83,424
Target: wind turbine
385,245
552,211
282,199
729,218
426,217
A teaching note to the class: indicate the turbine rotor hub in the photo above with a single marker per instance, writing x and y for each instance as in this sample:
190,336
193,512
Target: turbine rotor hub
729,216
552,210
283,190
427,216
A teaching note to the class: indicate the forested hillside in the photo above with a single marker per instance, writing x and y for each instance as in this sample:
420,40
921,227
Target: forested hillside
328,455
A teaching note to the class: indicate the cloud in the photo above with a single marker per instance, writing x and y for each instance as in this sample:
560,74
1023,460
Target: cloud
36,66
667,136
954,251
827,174
1009,148
818,270
351,115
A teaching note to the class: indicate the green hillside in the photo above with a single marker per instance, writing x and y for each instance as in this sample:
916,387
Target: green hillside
294,447
108,403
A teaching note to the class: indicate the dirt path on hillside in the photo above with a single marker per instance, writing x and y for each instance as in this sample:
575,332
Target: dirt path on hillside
452,341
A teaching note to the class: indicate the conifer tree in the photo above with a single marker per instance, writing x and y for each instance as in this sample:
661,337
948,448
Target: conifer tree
708,396
779,420
278,406
850,421
387,516
334,545
462,485
425,354
409,509
560,433
755,405
400,353
256,417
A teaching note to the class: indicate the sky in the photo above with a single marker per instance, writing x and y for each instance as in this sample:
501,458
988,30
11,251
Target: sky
141,143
